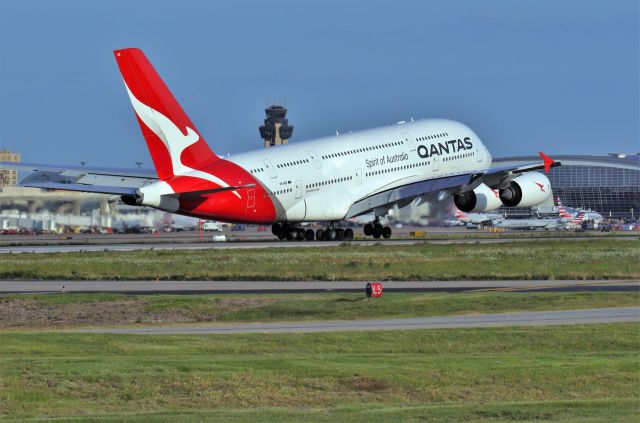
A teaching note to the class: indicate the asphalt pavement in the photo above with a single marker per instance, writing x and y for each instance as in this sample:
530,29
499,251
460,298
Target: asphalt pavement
254,287
564,317
250,244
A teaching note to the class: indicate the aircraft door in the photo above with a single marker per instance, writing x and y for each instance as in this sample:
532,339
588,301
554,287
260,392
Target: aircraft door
251,198
478,156
409,141
358,177
298,189
314,158
436,163
270,169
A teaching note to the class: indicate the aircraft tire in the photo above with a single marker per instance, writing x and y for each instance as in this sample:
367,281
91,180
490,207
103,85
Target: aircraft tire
331,235
377,231
368,229
348,234
277,228
386,232
309,235
320,235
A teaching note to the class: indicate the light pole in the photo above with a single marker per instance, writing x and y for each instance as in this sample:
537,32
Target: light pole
139,164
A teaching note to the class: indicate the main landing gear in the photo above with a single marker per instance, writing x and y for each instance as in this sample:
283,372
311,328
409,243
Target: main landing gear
376,230
293,233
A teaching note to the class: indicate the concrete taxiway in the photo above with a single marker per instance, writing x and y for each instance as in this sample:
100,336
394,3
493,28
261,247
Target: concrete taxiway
253,287
588,316
76,248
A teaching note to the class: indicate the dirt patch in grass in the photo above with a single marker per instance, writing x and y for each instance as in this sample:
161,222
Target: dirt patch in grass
27,312
21,313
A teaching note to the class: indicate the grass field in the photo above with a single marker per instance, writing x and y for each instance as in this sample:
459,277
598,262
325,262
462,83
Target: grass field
590,259
563,373
69,310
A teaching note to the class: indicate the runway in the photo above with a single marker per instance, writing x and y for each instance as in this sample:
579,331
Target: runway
541,318
273,287
239,244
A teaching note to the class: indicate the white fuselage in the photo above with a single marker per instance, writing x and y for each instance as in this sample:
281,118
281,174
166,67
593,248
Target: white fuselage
320,179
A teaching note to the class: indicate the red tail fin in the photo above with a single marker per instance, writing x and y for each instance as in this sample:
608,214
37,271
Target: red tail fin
175,145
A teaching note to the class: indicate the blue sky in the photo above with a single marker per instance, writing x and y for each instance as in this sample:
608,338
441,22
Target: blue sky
525,75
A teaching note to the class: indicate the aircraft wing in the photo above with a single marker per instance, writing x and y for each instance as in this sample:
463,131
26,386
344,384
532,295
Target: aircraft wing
98,189
94,177
496,177
403,195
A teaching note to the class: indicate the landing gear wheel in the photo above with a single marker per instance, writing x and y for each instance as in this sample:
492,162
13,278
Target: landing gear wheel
377,231
277,229
386,232
330,235
308,235
292,234
320,235
348,234
368,229
339,234
302,234
281,235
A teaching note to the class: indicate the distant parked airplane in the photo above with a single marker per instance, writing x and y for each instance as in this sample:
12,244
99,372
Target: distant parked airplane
577,216
478,218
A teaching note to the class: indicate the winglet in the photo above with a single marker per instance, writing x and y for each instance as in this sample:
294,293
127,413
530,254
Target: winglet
548,161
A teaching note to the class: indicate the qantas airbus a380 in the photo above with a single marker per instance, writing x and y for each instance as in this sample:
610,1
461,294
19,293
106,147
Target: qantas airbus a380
324,180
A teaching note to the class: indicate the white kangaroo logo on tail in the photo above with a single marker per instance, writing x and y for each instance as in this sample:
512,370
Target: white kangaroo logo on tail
175,141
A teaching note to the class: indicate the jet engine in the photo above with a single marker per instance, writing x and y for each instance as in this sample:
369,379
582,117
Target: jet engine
132,200
528,189
479,200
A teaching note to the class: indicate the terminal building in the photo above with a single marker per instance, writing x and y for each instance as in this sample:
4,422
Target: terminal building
8,177
609,185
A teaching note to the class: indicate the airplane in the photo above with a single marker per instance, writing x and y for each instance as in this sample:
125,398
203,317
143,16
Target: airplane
532,224
478,218
577,216
328,179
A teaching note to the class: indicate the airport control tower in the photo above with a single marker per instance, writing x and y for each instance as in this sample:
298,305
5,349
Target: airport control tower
276,129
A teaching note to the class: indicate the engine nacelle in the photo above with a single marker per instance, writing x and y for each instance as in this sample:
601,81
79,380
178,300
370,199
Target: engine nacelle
527,190
132,200
479,200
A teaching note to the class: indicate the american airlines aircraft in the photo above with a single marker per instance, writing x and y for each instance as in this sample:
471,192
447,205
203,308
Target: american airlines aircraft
575,217
323,180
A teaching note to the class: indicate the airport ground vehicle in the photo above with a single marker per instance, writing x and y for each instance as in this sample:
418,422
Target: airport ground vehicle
211,226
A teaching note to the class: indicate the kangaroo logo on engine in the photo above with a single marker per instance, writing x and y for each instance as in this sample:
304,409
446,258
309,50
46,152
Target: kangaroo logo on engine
447,147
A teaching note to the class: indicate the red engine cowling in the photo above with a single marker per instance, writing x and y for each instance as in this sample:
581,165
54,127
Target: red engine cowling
481,199
527,190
